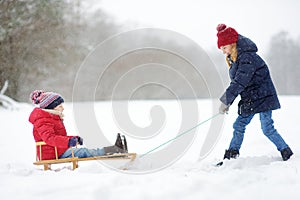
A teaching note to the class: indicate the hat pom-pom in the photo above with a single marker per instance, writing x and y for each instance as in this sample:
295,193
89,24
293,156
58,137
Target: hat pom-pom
34,96
221,27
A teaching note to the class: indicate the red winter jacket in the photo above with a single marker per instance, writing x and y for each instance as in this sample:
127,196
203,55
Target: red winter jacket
49,128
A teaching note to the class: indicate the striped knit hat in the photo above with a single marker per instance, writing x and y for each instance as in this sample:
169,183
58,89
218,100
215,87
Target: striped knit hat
46,100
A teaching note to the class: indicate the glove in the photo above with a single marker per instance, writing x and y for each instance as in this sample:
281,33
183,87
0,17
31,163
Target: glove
80,140
223,108
73,142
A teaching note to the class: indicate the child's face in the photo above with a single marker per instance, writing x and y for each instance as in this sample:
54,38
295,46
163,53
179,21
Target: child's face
59,108
226,49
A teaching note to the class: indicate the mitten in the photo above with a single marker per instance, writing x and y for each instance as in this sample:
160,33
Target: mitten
73,142
223,108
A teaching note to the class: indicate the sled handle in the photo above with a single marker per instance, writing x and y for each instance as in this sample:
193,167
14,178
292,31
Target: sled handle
41,143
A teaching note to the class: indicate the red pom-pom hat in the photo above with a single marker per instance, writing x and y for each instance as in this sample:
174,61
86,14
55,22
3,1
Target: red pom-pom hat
226,35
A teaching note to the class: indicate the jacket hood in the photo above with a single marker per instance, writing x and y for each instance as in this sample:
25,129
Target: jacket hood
244,44
39,113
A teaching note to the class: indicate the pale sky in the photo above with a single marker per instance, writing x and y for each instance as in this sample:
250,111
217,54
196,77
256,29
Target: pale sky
197,19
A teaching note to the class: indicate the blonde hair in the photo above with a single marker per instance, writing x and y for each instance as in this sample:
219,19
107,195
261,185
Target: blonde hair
233,54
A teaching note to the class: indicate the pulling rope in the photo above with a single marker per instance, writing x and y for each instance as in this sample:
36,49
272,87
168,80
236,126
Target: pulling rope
181,134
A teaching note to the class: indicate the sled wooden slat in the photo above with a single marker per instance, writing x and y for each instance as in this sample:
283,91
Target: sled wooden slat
75,160
47,163
129,156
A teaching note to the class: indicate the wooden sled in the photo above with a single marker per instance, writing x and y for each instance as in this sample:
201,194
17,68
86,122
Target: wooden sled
74,160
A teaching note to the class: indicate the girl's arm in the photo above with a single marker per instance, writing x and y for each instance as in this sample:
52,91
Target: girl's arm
245,72
46,130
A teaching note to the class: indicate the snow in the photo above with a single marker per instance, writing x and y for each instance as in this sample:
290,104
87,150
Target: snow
258,173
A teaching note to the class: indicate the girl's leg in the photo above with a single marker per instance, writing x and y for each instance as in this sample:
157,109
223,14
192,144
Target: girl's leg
83,153
269,130
239,127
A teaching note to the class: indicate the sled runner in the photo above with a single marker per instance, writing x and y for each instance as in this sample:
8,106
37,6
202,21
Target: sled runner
74,160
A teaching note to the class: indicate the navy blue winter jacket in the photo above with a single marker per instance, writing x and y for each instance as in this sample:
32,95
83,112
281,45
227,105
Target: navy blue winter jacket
250,78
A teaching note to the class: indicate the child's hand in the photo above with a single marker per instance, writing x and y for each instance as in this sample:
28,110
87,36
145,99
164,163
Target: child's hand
73,142
223,108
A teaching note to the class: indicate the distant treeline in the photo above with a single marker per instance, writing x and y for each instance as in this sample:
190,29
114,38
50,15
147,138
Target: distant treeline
44,43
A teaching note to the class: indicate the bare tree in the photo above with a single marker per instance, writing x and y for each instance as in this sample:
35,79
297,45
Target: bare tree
42,44
29,34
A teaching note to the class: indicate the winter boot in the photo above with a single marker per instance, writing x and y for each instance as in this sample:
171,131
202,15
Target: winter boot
286,153
112,150
231,154
125,148
118,142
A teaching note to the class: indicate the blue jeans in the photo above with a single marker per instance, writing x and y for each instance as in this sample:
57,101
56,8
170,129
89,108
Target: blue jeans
267,127
83,153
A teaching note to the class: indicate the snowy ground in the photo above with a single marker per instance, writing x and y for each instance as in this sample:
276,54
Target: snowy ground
258,173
